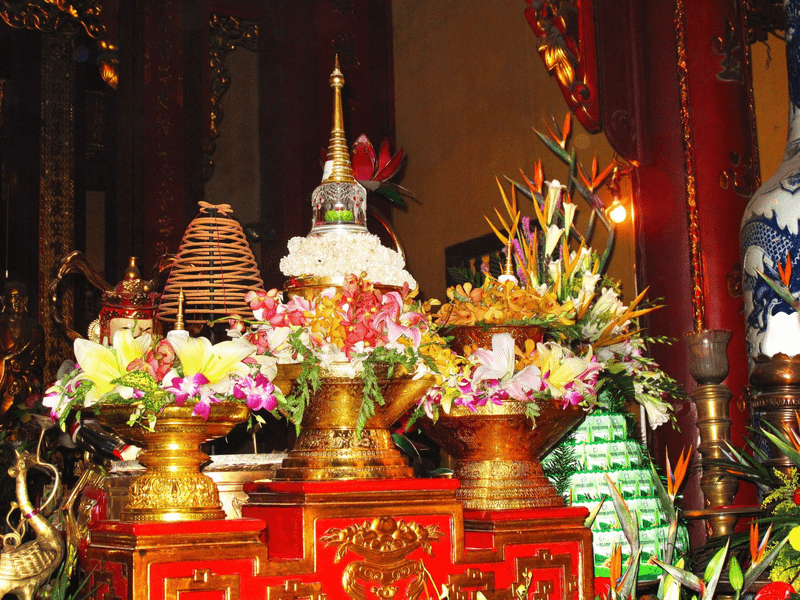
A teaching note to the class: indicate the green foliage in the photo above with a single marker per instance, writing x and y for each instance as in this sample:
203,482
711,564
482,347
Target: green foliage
76,400
463,275
560,466
155,397
616,389
532,410
372,396
306,385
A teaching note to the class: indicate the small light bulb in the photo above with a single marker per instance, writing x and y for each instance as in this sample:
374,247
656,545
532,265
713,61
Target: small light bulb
617,212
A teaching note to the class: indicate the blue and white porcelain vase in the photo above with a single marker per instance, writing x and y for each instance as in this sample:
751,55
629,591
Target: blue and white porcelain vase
770,232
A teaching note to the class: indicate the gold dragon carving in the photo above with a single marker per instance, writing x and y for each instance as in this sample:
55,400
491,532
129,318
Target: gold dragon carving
384,545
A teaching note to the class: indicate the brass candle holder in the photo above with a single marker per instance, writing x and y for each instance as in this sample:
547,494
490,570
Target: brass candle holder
708,365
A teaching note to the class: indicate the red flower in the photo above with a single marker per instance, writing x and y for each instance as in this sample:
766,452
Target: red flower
374,172
267,302
236,323
259,340
365,165
160,359
777,590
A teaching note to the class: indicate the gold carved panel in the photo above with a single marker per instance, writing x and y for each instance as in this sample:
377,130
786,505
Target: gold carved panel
202,580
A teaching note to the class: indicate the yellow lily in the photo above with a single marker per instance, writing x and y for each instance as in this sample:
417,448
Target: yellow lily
198,355
102,365
562,368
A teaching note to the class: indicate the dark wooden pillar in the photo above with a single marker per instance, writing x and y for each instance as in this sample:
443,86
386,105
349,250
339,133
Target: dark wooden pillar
678,99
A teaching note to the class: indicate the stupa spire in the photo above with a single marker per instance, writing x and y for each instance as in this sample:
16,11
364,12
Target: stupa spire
338,153
339,203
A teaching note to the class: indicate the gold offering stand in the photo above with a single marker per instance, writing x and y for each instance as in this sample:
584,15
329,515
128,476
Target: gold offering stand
360,532
344,518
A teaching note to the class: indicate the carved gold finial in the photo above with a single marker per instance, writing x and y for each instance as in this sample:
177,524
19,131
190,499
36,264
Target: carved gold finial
179,317
508,271
342,169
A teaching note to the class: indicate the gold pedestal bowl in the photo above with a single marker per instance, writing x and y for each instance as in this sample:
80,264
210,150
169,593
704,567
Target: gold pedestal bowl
330,448
172,487
498,452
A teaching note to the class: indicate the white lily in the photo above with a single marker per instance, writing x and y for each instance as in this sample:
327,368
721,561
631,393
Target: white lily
217,361
102,365
569,215
267,365
551,238
553,192
497,363
658,411
558,367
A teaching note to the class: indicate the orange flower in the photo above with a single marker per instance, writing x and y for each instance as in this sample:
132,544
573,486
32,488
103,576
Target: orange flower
675,480
786,271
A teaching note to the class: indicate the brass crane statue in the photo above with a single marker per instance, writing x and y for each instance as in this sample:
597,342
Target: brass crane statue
24,567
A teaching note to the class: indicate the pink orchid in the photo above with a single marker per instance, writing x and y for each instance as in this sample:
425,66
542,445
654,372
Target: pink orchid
258,392
573,397
187,387
263,304
202,407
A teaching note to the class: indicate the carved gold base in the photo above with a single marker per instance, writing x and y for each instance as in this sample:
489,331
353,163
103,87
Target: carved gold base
504,485
172,487
324,454
498,452
329,447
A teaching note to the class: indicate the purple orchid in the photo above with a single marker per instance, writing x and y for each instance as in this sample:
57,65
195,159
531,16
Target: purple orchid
202,407
258,392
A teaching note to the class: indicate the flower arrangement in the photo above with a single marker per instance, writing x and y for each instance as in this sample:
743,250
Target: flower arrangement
590,346
333,255
148,375
356,326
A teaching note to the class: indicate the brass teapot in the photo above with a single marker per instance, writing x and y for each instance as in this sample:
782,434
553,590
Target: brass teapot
132,303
